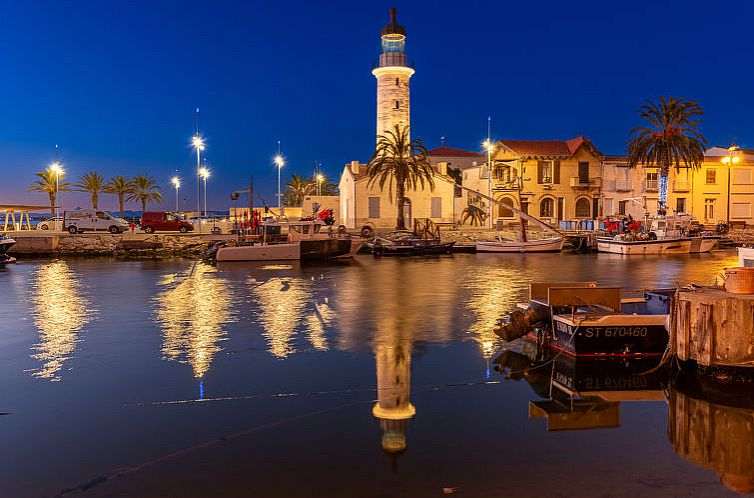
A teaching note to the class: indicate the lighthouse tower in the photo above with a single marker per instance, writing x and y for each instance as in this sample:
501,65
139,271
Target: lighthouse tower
393,72
393,407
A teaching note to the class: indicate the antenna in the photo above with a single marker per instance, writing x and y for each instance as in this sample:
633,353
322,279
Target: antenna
442,141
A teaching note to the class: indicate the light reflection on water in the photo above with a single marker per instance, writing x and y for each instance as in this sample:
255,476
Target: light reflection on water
61,311
193,313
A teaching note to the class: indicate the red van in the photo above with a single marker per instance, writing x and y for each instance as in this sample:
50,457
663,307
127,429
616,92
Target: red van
164,221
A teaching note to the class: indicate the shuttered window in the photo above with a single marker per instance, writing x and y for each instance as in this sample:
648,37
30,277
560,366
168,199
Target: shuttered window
556,172
374,207
436,207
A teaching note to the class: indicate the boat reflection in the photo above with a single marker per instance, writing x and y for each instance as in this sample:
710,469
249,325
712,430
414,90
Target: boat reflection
192,312
60,312
713,427
579,393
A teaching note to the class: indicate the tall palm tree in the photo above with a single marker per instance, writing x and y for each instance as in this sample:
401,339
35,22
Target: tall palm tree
94,183
146,191
672,138
120,186
50,182
297,188
402,164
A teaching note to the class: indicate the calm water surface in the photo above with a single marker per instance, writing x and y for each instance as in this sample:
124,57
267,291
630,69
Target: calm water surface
373,378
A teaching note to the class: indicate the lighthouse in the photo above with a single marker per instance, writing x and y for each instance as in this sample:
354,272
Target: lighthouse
393,72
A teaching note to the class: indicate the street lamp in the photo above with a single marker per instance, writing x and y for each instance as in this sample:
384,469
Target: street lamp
320,177
489,147
197,142
177,184
729,160
204,174
279,162
58,170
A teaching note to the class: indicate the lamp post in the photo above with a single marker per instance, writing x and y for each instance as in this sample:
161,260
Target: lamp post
198,143
58,170
279,162
729,160
319,184
177,184
489,147
204,174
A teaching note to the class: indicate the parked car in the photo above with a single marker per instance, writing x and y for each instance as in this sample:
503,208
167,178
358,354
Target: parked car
55,223
164,221
83,220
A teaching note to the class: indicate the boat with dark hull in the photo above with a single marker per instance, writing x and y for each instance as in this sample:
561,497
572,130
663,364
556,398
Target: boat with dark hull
6,243
581,319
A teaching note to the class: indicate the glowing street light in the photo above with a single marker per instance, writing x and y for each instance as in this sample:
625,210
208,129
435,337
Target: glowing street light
279,162
320,177
56,168
489,146
729,160
177,184
204,174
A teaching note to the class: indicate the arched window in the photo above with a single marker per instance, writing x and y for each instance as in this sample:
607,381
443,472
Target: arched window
547,208
583,208
504,212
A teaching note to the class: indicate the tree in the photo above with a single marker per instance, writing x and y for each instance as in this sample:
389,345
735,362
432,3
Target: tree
296,189
93,183
326,186
402,164
671,139
120,186
146,191
50,183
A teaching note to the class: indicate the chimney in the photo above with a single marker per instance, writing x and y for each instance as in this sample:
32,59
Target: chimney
355,167
442,168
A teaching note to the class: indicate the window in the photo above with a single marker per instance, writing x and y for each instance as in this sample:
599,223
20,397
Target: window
711,177
504,173
595,207
561,203
374,207
607,206
583,208
709,208
436,207
544,172
651,180
397,82
397,104
502,211
547,208
622,207
680,205
584,172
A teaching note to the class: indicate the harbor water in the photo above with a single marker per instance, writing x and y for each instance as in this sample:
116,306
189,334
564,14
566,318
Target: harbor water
369,378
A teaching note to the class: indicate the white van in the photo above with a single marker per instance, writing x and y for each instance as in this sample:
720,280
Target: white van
90,219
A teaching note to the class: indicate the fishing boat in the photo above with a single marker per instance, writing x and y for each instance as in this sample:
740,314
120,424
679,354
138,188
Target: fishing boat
523,244
584,320
666,235
5,243
423,240
305,241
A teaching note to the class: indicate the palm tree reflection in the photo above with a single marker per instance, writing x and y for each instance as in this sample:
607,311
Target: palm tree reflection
60,312
192,312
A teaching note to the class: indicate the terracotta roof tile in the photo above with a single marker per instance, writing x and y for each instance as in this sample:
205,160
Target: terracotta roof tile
545,148
451,152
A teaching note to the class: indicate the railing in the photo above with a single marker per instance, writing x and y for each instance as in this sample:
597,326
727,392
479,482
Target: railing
681,186
649,186
623,186
578,182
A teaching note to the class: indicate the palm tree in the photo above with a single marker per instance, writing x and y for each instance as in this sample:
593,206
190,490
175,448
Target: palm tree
49,182
402,162
671,139
120,186
93,183
326,186
145,191
297,188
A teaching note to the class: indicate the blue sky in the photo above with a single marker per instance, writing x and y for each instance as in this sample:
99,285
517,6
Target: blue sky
116,83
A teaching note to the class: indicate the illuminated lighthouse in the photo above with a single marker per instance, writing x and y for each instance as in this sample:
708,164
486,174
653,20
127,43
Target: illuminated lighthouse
393,72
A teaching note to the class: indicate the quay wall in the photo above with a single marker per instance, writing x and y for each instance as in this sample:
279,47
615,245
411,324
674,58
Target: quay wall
119,245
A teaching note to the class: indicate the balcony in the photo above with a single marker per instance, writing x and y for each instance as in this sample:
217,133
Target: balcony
623,186
681,186
578,182
649,186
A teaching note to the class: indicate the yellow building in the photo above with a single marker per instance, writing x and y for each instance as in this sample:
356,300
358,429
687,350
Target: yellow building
558,179
704,193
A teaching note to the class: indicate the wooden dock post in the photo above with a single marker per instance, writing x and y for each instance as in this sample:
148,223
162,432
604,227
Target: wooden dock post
715,329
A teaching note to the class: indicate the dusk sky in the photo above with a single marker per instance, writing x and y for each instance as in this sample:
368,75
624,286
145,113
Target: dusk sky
116,83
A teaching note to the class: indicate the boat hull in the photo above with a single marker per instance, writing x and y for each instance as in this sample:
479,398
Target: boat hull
542,245
303,250
629,336
650,247
5,244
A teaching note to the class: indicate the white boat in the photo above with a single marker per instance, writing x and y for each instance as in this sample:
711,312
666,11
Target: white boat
304,241
746,257
680,245
553,244
5,243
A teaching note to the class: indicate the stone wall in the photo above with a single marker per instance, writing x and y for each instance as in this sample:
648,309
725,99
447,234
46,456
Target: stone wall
119,245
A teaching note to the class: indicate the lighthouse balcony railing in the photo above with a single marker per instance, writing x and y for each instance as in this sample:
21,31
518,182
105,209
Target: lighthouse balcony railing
393,59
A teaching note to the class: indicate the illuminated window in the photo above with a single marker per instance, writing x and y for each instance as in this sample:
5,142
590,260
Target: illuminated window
709,208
